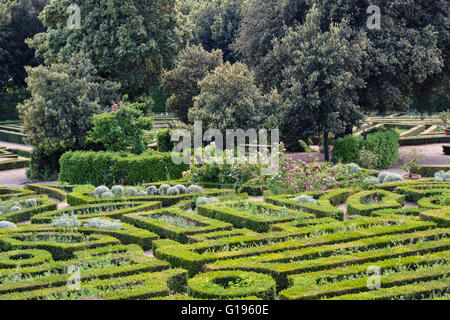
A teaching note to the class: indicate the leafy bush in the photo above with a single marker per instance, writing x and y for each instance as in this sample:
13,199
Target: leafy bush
205,200
163,140
66,221
97,168
122,128
142,194
99,223
304,198
347,149
7,225
370,181
15,208
442,176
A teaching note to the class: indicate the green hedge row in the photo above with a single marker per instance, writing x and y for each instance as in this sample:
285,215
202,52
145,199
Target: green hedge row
130,287
417,192
97,168
440,216
28,213
52,191
194,256
231,285
102,210
7,193
14,164
76,198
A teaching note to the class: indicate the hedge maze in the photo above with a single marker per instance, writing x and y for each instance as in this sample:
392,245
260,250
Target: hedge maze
391,242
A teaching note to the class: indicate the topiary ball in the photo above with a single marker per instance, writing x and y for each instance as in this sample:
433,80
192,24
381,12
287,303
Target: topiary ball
99,191
181,188
118,191
15,208
173,191
392,177
152,190
142,194
3,209
193,188
107,195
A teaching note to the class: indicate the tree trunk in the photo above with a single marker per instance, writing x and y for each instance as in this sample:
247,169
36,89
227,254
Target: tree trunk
326,146
349,130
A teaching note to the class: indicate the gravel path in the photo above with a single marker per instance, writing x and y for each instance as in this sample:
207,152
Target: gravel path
17,178
15,145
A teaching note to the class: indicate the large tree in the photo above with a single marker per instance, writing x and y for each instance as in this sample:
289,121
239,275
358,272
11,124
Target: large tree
181,83
321,77
215,24
64,99
409,50
129,41
229,99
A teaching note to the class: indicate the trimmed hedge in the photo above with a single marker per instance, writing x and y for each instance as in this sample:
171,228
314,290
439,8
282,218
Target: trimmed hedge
388,200
53,191
14,164
417,192
97,168
415,141
232,284
150,221
347,149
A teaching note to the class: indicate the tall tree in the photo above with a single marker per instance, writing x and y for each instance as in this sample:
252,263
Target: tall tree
181,83
321,77
64,98
129,41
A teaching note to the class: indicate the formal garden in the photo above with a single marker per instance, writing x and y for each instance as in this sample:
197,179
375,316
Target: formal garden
94,94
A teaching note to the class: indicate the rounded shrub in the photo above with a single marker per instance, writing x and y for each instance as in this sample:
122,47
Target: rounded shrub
193,188
99,191
305,198
392,177
31,203
382,176
201,200
152,190
173,191
107,195
163,189
181,188
7,225
3,209
117,190
105,224
131,191
142,194
231,284
370,181
353,168
442,176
